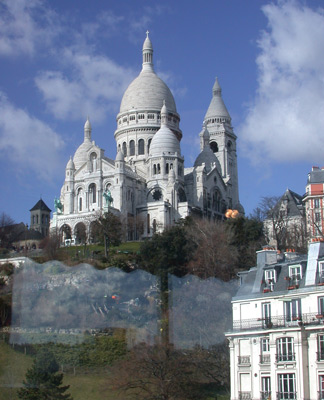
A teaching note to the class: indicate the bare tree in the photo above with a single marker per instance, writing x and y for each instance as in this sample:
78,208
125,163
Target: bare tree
215,255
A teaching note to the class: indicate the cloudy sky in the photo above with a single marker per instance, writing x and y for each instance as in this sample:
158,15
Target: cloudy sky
61,61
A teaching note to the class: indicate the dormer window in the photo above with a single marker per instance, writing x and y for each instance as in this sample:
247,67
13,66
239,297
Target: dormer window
321,272
270,278
295,273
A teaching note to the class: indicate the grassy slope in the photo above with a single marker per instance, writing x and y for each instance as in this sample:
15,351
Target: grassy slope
13,367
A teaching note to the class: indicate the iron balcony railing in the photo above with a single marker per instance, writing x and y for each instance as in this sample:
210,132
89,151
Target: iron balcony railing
244,360
278,322
285,357
286,395
320,395
265,395
245,396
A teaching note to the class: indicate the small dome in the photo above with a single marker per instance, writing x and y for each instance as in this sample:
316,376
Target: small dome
208,158
164,141
80,156
120,156
70,164
217,107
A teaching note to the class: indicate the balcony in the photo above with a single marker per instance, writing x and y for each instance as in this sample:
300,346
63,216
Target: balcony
245,396
286,395
244,360
265,359
280,358
265,395
277,322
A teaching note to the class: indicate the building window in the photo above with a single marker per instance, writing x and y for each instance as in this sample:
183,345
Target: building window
125,149
320,348
92,193
292,310
317,217
214,147
266,315
148,145
132,148
321,272
132,118
295,274
141,116
266,388
265,351
150,116
270,278
286,387
321,305
321,387
141,146
316,203
285,350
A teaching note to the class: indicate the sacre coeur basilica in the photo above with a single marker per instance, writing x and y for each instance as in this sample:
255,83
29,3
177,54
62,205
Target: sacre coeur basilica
147,184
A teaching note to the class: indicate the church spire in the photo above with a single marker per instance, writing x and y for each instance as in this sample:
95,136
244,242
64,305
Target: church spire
87,130
147,54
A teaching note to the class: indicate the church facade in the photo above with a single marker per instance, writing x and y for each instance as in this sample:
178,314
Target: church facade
147,183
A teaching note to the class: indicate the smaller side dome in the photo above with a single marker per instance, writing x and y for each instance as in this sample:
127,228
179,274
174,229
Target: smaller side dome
164,141
208,158
120,156
70,164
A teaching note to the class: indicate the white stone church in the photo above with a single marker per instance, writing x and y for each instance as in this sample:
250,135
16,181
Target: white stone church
147,183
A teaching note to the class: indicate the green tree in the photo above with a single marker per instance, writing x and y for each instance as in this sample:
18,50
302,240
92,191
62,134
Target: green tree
247,238
108,228
43,382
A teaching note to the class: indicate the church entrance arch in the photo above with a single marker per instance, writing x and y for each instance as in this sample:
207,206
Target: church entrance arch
80,233
65,233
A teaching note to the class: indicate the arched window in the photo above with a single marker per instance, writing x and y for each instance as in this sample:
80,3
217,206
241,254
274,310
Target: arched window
158,169
141,147
125,149
154,169
214,147
93,159
80,193
92,193
148,145
167,168
132,148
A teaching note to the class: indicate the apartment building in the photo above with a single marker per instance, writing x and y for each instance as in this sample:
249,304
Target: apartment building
277,340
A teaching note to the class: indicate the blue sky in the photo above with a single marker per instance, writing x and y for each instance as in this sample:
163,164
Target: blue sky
63,60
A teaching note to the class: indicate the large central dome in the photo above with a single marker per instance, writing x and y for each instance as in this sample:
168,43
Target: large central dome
147,91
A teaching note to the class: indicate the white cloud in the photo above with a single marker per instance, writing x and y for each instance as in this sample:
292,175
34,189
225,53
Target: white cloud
23,25
285,121
30,145
94,87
